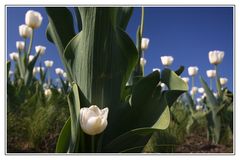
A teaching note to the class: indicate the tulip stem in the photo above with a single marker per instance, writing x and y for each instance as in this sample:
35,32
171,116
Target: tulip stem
192,88
93,144
211,84
218,82
30,44
142,23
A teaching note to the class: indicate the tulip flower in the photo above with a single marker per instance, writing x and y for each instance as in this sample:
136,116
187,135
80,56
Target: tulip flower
30,58
193,90
201,90
215,57
40,49
144,44
93,120
33,19
223,81
199,107
47,92
25,31
40,68
48,63
156,69
211,73
199,100
64,74
20,45
167,60
59,71
35,71
143,62
192,70
14,56
185,79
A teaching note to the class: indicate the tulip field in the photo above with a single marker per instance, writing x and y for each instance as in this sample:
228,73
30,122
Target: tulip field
102,100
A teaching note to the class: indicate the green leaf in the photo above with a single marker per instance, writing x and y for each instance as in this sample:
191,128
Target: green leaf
74,107
101,57
79,20
211,99
179,70
123,16
64,138
29,71
60,30
8,67
134,138
144,88
173,81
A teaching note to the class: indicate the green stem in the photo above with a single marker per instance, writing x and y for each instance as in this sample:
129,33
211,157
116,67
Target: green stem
142,22
30,44
218,85
211,84
93,144
192,87
48,78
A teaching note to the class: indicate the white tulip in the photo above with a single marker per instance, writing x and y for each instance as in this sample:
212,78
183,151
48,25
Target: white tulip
35,71
20,45
59,71
215,57
156,69
14,56
40,68
143,61
204,95
211,73
47,92
223,81
48,63
40,49
201,90
199,107
144,44
193,90
199,100
10,73
192,70
33,19
93,120
185,79
30,58
167,60
25,31
215,94
59,90
45,86
64,74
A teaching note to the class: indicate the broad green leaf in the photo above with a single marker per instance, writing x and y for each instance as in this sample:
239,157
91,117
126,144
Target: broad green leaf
173,81
64,138
144,88
211,99
79,20
60,30
179,70
29,71
103,56
164,120
8,67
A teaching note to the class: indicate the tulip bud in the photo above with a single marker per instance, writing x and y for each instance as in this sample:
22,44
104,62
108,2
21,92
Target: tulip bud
48,63
167,60
211,73
144,44
215,94
193,90
156,69
45,86
143,61
35,71
33,19
47,92
10,73
223,81
192,70
30,58
199,107
14,56
93,120
199,100
59,71
201,90
20,45
40,49
59,90
185,79
215,57
64,74
25,31
40,68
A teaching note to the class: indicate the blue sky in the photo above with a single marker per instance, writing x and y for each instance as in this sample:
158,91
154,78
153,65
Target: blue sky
186,33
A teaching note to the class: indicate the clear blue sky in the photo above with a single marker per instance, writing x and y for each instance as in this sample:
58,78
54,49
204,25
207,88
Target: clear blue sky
186,33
